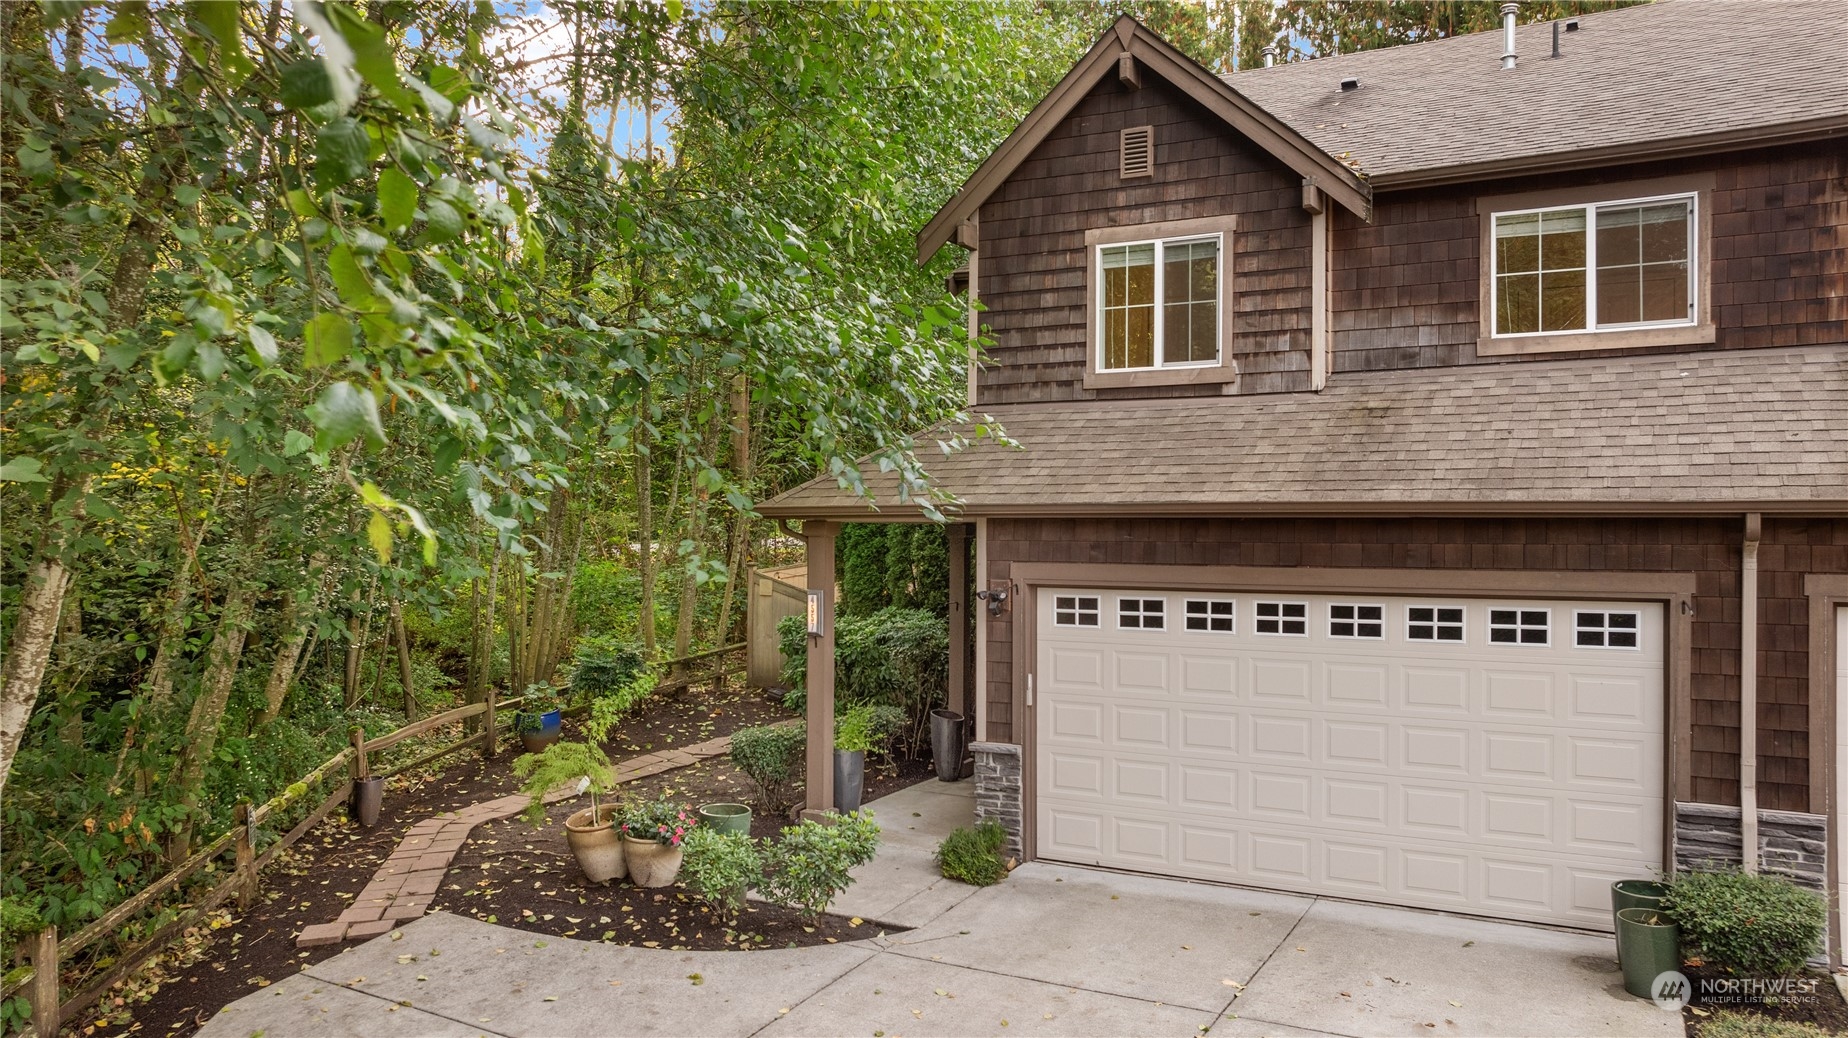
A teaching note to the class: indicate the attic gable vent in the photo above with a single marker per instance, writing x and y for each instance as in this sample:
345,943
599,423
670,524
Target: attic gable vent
1138,151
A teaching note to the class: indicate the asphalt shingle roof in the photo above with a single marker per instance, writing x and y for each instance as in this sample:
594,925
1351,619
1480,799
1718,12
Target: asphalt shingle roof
1732,427
1630,77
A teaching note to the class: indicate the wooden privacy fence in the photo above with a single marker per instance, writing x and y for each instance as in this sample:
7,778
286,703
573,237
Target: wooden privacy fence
775,593
43,952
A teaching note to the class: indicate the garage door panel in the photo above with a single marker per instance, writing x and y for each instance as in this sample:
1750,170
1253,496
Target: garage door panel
1516,780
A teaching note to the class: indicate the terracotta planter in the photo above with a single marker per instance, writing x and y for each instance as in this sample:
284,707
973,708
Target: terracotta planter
597,844
651,864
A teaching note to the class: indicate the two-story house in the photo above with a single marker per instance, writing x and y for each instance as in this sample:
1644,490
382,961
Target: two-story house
1433,484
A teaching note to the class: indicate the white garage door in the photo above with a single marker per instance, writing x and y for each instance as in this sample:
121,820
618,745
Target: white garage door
1494,757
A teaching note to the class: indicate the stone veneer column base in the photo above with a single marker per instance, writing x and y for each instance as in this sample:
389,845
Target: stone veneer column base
1790,843
997,788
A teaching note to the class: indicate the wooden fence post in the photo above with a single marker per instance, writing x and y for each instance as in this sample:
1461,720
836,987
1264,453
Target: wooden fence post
490,729
360,768
44,991
246,858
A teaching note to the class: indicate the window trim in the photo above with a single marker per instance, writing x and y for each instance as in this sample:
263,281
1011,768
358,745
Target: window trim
1332,620
1520,627
1224,370
1436,623
1635,630
1258,618
1209,601
1698,186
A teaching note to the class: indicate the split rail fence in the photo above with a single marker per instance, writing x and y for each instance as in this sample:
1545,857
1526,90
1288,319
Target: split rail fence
42,953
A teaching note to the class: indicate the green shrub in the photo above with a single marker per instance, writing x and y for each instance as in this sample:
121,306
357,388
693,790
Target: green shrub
860,560
606,710
930,568
895,657
1744,923
558,764
772,757
853,729
809,866
721,868
974,856
19,919
664,821
1727,1023
602,664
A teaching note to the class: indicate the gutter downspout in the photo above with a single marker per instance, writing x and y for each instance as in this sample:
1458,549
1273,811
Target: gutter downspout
1748,696
970,237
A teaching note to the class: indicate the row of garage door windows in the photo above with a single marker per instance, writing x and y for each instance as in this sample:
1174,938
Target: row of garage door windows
1604,629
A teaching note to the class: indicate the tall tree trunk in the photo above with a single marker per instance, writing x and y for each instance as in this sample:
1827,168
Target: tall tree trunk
34,630
644,531
487,629
349,688
404,659
208,709
741,523
295,625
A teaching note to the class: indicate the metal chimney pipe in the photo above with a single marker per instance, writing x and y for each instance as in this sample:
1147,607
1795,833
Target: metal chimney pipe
1270,55
1507,12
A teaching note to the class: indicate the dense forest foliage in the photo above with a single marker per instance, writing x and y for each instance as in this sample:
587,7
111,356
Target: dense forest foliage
359,357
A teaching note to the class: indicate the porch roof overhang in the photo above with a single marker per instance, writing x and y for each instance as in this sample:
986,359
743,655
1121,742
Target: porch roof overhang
1718,433
1130,38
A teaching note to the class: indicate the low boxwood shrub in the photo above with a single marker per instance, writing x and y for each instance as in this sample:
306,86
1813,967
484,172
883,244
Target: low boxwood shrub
721,868
809,866
974,856
771,756
1754,924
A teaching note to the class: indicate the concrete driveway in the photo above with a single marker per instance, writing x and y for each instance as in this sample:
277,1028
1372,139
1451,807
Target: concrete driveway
1053,950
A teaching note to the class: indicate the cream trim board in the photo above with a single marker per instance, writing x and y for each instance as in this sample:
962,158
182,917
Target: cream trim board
1220,371
1698,187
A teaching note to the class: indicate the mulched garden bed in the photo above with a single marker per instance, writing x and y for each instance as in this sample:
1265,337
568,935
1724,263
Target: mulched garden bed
519,875
1824,1009
220,962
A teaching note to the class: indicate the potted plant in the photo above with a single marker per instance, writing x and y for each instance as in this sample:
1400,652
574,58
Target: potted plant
1634,893
652,834
946,744
591,833
538,723
853,739
726,818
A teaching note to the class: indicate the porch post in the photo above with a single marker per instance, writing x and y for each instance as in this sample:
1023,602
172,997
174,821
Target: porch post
958,536
820,681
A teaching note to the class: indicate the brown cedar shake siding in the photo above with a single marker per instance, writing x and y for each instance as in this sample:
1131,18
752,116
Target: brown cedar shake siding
1404,289
1033,252
1709,549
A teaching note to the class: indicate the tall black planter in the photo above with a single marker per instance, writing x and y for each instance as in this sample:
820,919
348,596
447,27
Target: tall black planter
368,795
849,779
946,744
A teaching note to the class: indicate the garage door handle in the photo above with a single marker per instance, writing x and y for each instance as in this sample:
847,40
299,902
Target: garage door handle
1029,690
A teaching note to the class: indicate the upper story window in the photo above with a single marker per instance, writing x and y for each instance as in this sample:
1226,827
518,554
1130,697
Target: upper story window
1595,267
1160,303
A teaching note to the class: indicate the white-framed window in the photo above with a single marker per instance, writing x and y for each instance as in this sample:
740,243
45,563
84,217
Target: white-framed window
1353,620
1214,615
1158,303
1520,626
1075,611
1149,614
1606,629
1434,623
1595,267
1291,618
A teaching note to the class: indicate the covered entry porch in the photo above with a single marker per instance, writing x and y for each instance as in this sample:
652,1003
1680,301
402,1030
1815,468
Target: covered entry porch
821,539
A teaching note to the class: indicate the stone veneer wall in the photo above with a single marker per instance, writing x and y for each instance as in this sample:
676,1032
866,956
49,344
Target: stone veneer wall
1790,843
997,788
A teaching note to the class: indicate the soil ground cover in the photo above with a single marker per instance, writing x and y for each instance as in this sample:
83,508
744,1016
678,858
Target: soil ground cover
233,954
1824,1009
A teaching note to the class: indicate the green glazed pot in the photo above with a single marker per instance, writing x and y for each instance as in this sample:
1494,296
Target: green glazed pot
1651,947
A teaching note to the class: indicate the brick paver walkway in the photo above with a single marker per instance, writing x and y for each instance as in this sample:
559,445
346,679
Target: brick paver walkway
404,886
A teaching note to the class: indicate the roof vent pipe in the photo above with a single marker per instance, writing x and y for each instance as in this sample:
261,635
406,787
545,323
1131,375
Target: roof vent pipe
1556,39
1507,12
1270,55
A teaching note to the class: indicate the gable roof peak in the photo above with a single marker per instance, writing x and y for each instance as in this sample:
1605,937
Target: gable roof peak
1130,37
